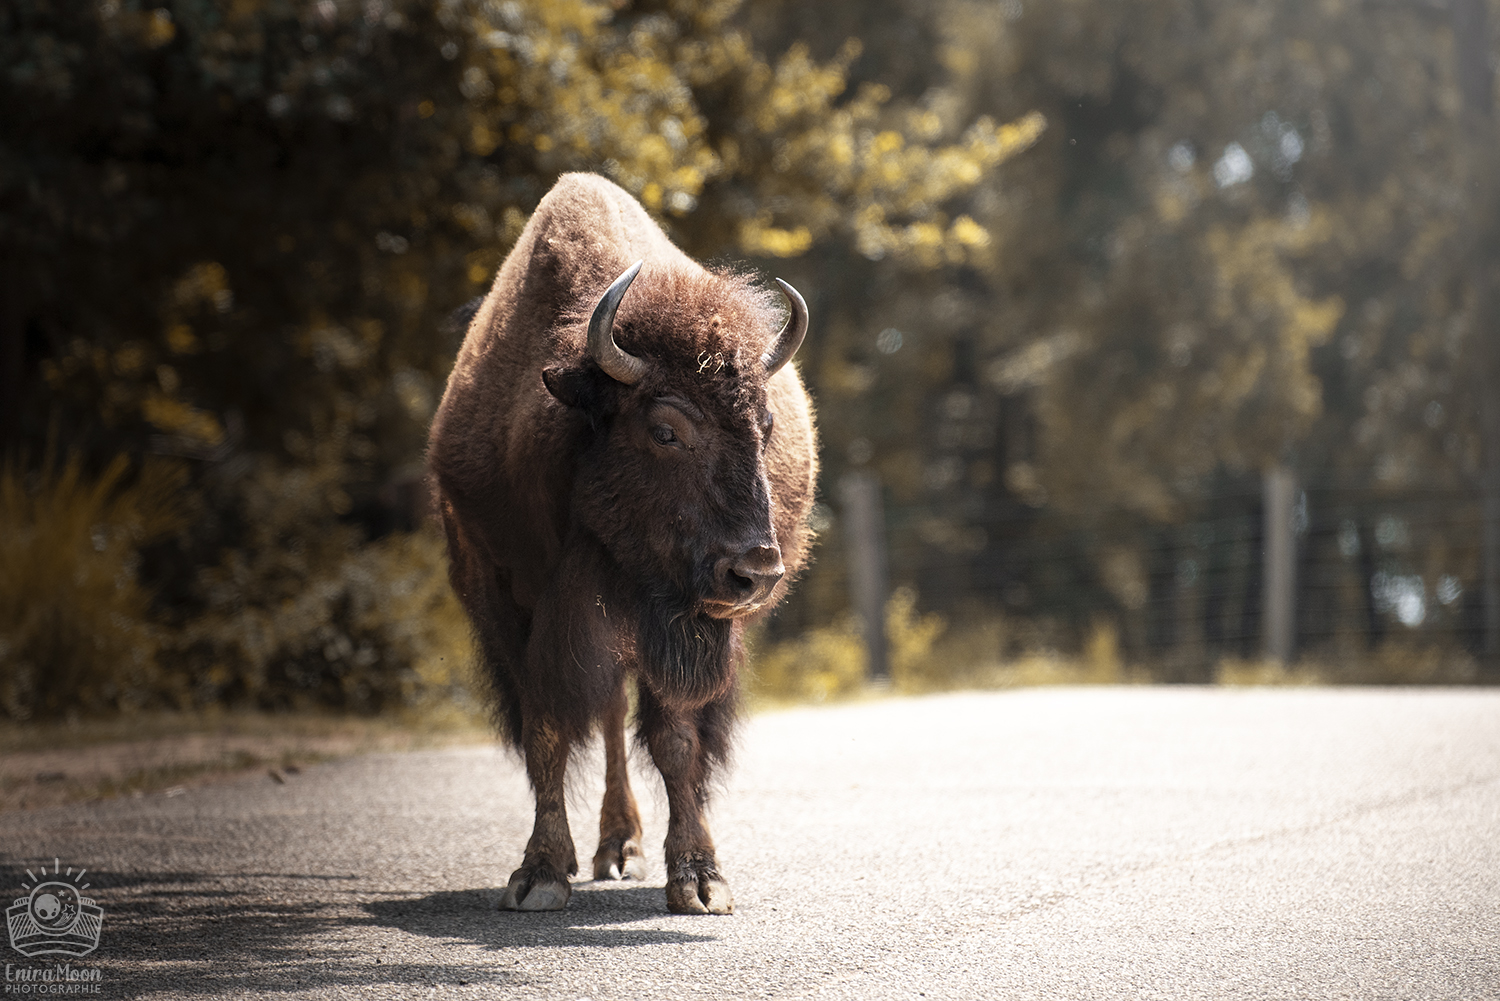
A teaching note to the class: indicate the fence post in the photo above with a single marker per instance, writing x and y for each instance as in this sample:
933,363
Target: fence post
1489,537
1278,610
864,538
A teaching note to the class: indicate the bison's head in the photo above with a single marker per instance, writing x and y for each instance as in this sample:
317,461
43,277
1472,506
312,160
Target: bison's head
674,481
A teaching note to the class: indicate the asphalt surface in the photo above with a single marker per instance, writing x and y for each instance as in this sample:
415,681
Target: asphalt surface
1049,843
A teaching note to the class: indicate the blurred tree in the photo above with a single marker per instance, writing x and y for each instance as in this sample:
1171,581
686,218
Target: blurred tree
1246,238
231,229
1261,204
1250,234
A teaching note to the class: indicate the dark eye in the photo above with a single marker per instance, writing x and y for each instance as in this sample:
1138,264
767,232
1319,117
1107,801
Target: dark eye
663,434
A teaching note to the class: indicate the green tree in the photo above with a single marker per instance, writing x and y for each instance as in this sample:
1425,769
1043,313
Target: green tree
1246,238
233,228
1263,210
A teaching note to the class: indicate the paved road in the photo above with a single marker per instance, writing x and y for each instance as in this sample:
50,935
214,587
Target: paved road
1054,843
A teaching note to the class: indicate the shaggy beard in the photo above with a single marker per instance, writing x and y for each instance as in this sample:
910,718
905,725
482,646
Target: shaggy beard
688,659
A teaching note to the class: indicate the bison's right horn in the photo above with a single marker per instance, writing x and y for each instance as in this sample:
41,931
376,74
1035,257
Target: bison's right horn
619,364
790,338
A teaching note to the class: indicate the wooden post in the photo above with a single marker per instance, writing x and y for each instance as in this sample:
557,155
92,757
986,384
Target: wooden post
1489,414
1278,609
1475,75
864,539
12,359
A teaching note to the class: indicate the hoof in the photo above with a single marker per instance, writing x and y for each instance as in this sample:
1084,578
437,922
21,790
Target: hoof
536,888
620,861
708,894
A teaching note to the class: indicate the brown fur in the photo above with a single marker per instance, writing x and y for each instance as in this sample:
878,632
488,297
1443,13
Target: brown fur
583,549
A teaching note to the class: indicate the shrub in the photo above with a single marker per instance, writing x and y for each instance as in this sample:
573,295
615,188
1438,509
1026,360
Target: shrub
830,662
75,635
305,613
821,663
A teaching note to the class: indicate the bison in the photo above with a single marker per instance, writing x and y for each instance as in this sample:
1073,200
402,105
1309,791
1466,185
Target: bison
623,462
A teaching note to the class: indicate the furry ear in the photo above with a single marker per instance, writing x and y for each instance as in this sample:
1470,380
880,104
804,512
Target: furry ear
577,387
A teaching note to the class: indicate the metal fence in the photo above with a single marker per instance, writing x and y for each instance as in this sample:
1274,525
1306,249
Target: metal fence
1269,568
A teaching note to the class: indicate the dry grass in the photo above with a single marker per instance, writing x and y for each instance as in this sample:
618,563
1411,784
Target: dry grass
1392,663
44,764
926,655
74,629
307,616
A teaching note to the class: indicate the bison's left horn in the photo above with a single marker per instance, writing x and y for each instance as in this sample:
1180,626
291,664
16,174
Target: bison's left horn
619,364
790,338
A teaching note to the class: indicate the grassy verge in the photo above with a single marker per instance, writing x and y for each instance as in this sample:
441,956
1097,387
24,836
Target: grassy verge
46,764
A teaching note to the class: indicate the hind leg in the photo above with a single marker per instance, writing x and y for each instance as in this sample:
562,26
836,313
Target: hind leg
619,855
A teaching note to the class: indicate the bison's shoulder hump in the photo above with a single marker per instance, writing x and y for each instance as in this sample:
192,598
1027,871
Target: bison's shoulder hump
589,229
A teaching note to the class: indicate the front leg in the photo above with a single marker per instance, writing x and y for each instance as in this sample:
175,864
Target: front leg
684,744
541,884
570,673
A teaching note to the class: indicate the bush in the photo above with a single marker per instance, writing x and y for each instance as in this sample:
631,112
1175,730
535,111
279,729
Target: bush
305,613
75,634
821,663
831,661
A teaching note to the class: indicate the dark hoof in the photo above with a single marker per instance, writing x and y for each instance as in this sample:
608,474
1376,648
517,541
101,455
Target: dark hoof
617,860
536,888
698,889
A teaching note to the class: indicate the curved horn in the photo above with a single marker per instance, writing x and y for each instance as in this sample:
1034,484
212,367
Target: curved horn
790,338
617,363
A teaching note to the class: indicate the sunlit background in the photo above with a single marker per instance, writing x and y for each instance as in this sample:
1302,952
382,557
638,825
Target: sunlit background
1153,340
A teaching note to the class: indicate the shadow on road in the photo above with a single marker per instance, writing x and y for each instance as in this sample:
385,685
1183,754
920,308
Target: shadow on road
473,916
253,933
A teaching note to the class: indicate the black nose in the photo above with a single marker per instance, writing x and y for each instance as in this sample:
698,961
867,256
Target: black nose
749,577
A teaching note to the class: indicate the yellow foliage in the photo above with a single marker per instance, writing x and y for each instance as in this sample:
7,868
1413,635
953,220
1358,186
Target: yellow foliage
971,658
910,638
1170,207
1235,672
1397,661
483,140
74,630
150,29
181,339
830,662
1255,278
158,29
756,237
1101,654
176,417
621,101
969,233
200,284
823,663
